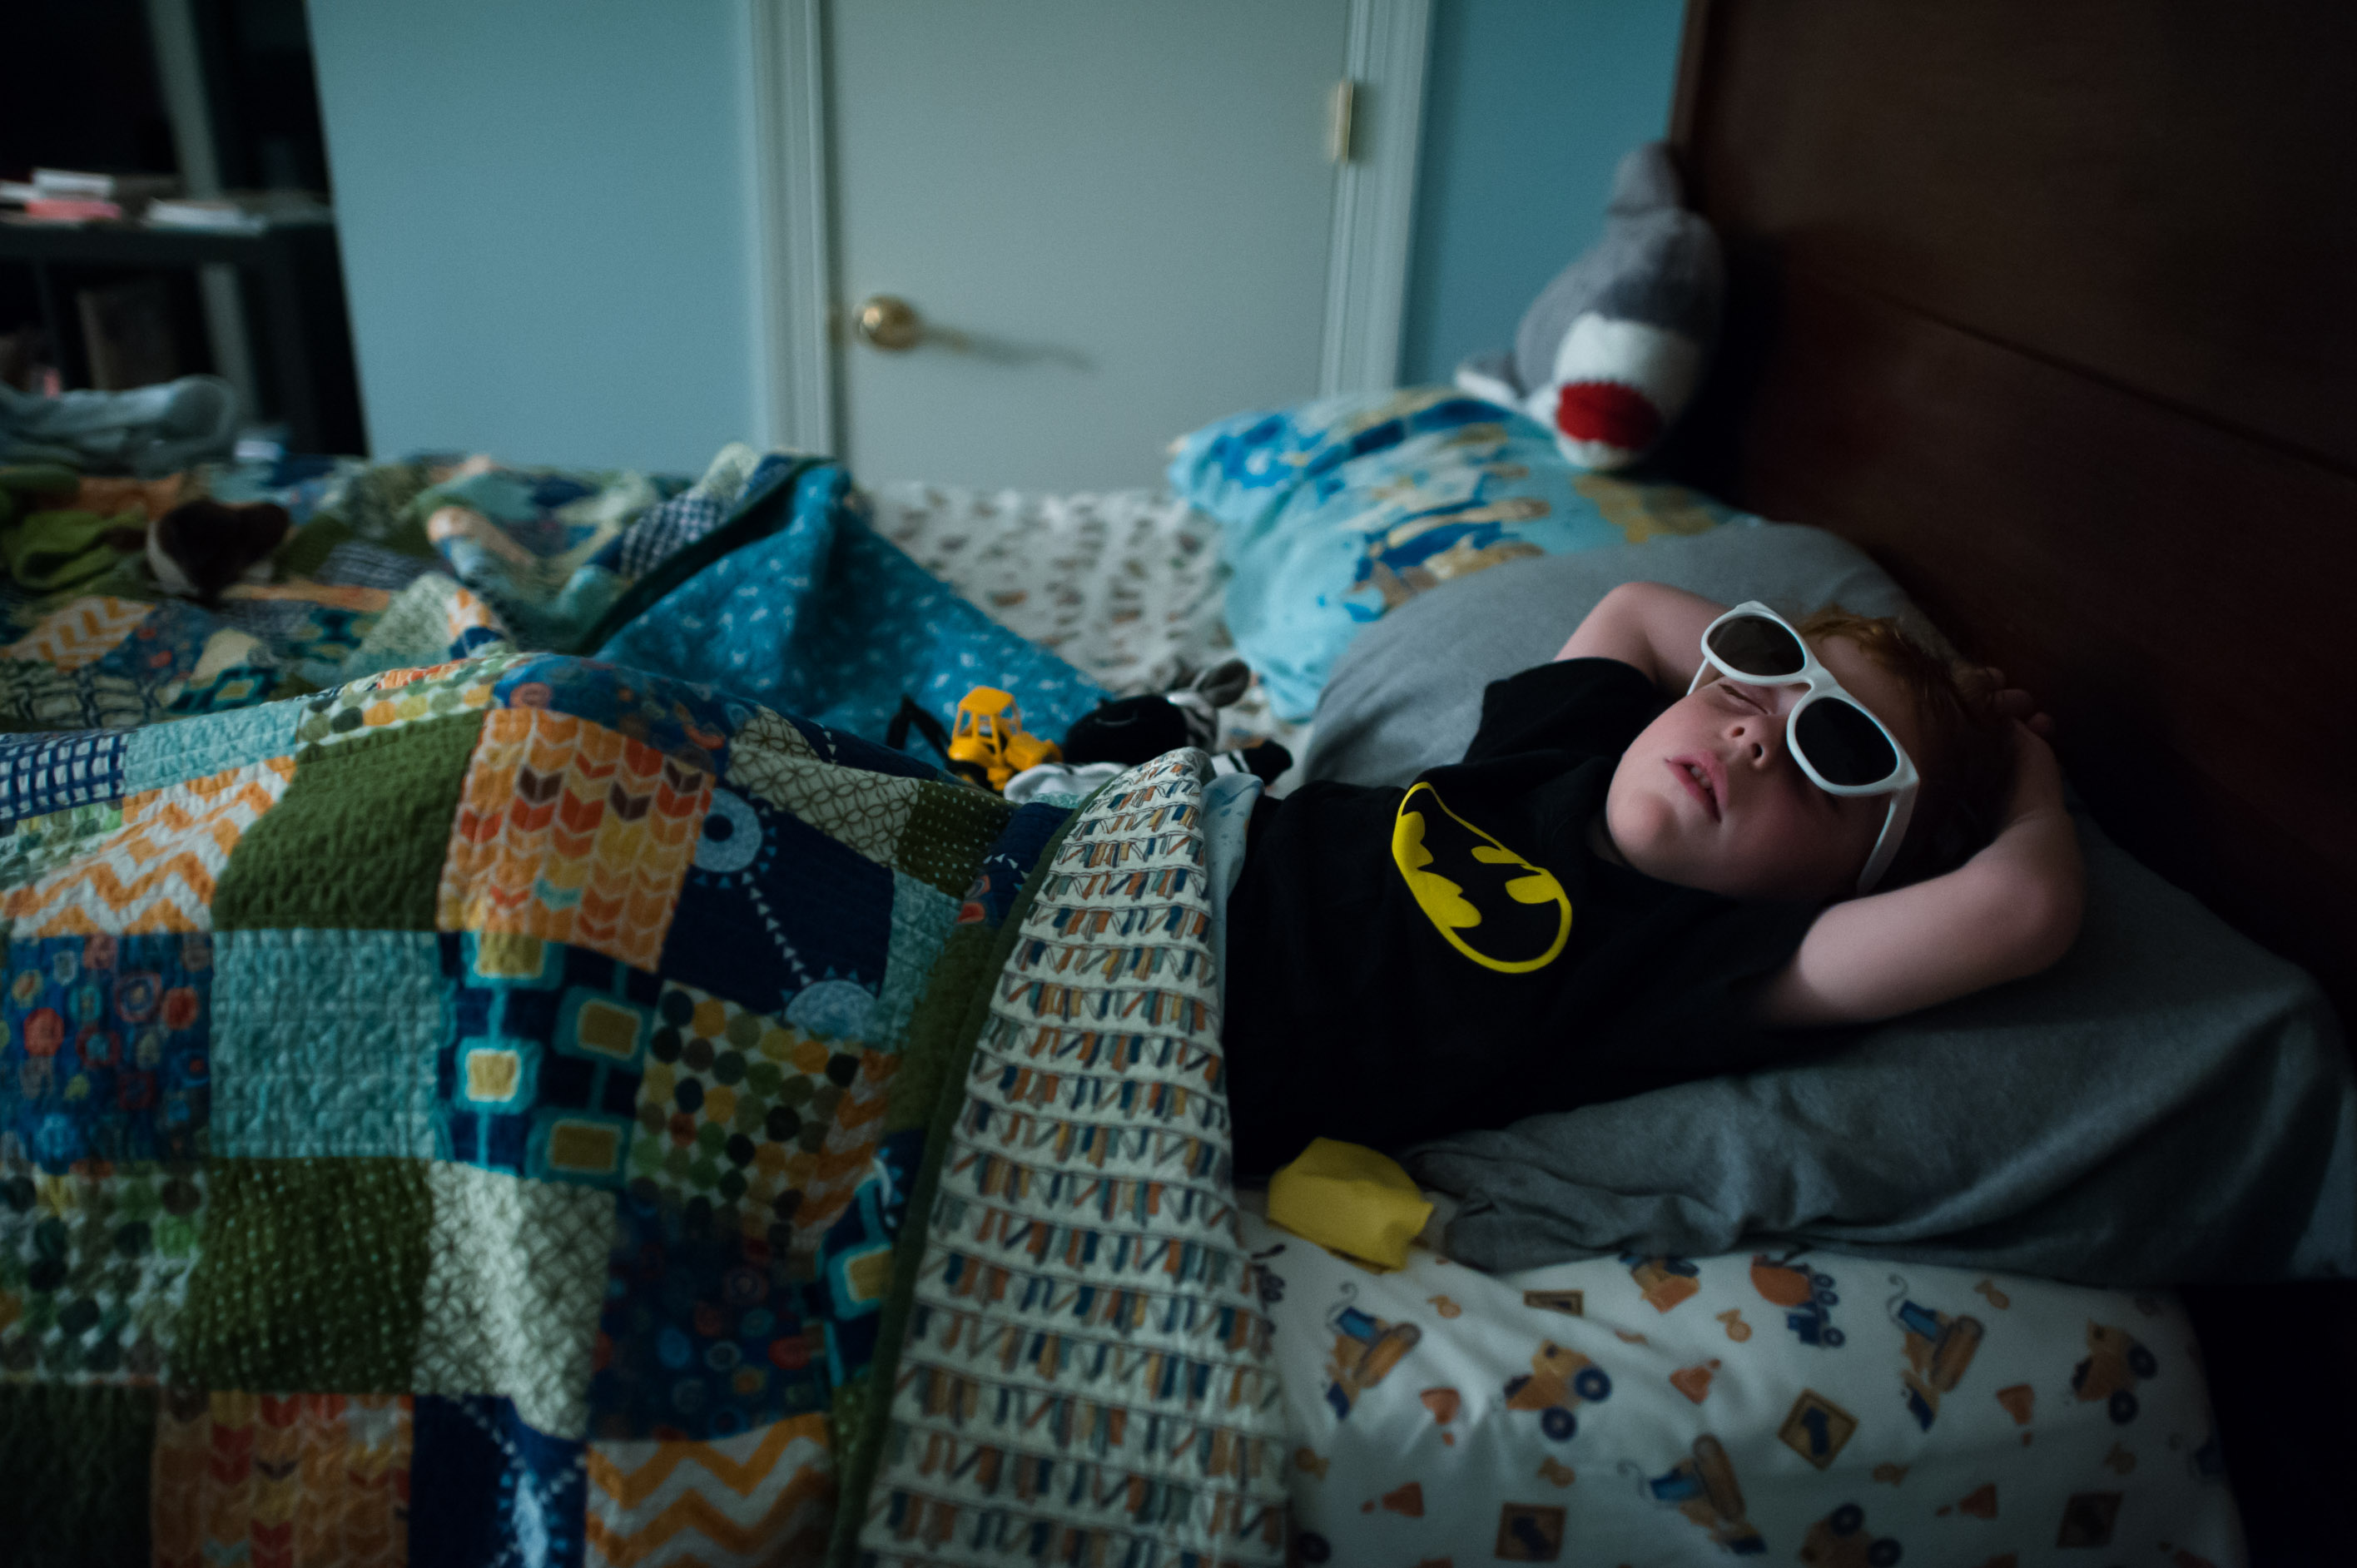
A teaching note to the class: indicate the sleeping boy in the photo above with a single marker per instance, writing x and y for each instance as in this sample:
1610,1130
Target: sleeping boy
1696,828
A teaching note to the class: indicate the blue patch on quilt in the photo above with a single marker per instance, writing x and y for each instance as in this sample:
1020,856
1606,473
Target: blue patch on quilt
41,773
1012,857
851,751
164,645
851,1305
773,907
157,755
485,1488
682,720
107,1054
827,619
541,1074
327,1043
237,686
708,1332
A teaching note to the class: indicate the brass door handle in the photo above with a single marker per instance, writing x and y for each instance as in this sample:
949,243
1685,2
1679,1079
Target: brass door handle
890,323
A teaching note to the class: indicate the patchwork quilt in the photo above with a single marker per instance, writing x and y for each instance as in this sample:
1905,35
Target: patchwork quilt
525,1109
390,565
764,577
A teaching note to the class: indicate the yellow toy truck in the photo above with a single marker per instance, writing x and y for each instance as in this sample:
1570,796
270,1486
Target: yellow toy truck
990,744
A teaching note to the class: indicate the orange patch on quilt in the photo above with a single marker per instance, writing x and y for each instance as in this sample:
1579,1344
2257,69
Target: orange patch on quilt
303,1478
842,1162
81,632
155,873
569,832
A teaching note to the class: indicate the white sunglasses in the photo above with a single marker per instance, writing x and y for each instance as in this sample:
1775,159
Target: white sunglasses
1835,739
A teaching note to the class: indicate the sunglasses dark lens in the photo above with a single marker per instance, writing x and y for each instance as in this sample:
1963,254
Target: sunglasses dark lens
1756,646
1844,744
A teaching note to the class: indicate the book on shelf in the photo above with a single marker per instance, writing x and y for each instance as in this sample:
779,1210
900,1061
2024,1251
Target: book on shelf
73,209
130,189
238,211
74,196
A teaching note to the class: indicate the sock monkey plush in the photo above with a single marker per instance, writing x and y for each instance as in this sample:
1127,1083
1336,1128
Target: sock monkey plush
1611,352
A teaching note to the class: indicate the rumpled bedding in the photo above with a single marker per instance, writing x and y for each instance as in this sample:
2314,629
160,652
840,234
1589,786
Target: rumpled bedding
1127,586
526,1106
763,576
814,613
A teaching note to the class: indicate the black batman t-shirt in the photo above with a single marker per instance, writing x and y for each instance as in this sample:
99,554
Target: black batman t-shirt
1407,964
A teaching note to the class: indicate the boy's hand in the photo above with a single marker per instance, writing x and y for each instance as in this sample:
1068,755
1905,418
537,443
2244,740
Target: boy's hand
2013,703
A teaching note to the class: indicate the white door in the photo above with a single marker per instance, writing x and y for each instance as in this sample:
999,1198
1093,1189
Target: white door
1114,220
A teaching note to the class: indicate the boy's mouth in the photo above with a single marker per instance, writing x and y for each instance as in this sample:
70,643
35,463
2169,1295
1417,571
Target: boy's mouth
1700,775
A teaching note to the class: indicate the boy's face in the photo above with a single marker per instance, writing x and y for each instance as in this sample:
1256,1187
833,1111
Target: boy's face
1709,798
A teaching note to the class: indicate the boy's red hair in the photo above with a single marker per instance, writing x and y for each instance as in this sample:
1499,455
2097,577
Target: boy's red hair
1965,754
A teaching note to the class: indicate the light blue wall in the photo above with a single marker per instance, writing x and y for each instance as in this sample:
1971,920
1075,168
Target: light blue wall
1529,104
546,226
545,215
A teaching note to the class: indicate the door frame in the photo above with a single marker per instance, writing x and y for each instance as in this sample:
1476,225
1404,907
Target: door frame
795,316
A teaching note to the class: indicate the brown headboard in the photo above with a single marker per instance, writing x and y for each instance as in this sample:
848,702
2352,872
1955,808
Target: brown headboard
2051,306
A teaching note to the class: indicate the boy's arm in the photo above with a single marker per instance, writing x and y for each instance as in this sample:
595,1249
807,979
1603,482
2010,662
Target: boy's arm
1656,628
2009,911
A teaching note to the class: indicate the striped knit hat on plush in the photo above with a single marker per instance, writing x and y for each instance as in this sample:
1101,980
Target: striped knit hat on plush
1611,353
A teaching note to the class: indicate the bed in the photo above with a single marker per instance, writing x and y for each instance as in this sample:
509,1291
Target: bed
1024,1316
1989,320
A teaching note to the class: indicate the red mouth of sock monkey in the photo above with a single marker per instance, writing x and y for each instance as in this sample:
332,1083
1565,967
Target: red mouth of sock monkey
1607,412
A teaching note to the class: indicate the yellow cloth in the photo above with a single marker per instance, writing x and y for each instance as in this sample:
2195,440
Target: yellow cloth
1348,1198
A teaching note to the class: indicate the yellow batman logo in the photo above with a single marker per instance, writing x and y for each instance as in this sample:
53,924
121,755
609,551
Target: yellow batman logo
1420,842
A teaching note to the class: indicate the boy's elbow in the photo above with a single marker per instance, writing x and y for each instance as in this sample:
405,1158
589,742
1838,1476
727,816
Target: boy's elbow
2043,921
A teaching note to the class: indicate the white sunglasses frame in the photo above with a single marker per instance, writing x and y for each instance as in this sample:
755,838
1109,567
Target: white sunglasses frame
1903,781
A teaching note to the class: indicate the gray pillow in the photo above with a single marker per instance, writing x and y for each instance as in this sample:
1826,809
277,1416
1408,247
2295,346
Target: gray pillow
2169,1103
1392,709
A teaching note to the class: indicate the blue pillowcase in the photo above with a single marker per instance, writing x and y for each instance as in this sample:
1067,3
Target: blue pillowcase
1337,511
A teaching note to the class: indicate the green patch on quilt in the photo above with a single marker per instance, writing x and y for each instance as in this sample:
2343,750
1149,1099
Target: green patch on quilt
374,504
76,1459
312,1276
38,696
950,829
32,845
357,711
306,549
92,1270
386,801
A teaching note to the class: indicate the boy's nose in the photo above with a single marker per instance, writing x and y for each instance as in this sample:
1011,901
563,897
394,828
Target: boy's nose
1756,741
